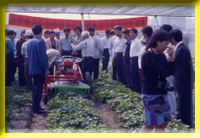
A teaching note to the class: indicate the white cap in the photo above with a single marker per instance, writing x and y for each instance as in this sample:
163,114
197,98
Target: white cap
57,31
29,33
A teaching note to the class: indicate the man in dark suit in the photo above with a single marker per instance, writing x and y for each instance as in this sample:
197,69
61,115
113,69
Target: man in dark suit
183,77
38,66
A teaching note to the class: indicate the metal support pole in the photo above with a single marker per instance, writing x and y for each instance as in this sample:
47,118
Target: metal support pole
82,21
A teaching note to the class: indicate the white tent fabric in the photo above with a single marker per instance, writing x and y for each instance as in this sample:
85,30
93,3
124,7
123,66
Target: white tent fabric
139,10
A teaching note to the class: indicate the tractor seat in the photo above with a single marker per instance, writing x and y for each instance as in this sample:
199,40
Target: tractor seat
68,63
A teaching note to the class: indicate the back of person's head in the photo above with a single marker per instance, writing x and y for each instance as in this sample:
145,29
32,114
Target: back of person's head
10,32
51,32
47,32
125,31
118,27
159,35
176,34
22,32
37,29
147,30
166,27
66,30
6,30
78,27
134,30
85,34
107,32
112,32
91,29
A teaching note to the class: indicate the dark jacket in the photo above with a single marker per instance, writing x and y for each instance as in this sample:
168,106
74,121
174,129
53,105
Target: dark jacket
155,69
184,73
19,47
38,63
127,51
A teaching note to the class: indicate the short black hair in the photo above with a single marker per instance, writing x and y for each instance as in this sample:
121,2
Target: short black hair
6,30
125,31
147,30
23,32
107,32
51,32
66,30
118,27
10,32
15,33
78,27
176,34
47,32
159,35
134,30
166,27
91,29
37,29
112,32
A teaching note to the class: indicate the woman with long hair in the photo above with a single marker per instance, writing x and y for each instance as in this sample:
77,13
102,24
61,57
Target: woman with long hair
155,69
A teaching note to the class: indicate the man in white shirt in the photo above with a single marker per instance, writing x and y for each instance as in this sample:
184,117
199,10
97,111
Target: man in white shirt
170,79
87,48
114,68
29,83
106,46
118,49
98,51
134,50
65,43
147,31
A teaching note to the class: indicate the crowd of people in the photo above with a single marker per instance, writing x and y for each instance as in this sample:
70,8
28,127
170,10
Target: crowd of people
156,66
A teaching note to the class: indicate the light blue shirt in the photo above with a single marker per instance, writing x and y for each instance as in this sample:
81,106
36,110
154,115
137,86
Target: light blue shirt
9,46
65,45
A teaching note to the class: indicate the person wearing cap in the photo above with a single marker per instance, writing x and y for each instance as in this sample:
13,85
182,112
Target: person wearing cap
106,46
87,48
119,45
114,68
9,57
29,83
57,34
38,66
46,35
65,43
51,42
134,50
126,56
20,59
77,39
147,31
98,51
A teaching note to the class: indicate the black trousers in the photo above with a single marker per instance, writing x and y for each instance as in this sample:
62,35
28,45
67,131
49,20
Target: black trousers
37,91
120,68
29,82
20,64
135,75
96,68
127,70
185,106
87,66
114,70
106,59
66,53
9,69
